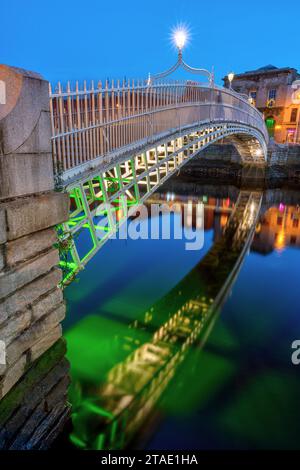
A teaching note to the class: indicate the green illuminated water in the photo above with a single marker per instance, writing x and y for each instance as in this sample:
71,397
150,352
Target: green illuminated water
237,389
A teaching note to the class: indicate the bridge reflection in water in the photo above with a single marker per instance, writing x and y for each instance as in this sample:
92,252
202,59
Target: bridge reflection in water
108,412
119,371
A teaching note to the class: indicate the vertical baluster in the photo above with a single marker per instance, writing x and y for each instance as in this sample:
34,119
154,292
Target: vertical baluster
151,97
90,122
74,127
123,114
148,91
112,144
166,95
70,147
53,131
86,122
128,98
62,127
96,120
93,118
118,115
100,117
107,118
128,126
133,112
140,108
79,137
126,105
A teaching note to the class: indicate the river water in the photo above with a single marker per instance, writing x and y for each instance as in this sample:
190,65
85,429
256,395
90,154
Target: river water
152,366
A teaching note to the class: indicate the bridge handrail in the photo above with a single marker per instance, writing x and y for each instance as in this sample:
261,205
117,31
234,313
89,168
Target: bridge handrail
90,122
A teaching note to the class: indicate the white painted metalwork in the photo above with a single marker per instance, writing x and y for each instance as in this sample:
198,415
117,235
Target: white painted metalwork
98,124
181,63
136,177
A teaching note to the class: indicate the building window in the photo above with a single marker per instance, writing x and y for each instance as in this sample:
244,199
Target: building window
294,115
293,240
252,97
279,220
290,135
295,223
272,94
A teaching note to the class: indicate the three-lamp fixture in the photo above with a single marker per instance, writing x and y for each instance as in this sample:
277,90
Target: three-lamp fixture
180,37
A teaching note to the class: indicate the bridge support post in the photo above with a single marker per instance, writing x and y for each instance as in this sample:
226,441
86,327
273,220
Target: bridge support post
31,303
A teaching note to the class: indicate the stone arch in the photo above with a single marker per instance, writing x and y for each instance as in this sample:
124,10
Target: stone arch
248,147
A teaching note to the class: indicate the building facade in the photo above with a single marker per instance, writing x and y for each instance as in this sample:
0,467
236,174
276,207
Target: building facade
276,93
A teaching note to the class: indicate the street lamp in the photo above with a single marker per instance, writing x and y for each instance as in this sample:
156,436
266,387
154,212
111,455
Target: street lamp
230,77
180,38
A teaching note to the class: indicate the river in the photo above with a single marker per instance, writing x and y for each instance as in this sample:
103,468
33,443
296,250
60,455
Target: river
219,379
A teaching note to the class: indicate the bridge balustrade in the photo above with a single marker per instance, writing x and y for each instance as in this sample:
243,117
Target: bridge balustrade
93,122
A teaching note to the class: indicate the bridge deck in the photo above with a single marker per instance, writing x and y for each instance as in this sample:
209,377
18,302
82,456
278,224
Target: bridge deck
92,125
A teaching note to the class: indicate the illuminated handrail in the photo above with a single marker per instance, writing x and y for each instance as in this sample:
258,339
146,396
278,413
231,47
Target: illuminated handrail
89,123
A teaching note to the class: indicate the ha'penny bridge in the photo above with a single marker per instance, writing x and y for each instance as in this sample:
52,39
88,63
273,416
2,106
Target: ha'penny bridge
72,162
123,141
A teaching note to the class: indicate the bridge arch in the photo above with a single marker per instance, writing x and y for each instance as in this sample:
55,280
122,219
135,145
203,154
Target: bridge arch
125,140
134,178
91,127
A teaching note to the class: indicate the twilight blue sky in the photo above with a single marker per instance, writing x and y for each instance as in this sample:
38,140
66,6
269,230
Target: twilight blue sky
115,38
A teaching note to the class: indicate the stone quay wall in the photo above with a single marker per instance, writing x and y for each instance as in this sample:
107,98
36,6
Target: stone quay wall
222,160
31,301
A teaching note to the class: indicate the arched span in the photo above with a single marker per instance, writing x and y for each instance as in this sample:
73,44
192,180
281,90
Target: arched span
134,177
98,126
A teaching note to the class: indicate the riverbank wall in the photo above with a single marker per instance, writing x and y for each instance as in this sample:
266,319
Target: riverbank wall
31,301
222,161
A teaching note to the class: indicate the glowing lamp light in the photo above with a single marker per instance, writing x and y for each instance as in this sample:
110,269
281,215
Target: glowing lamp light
252,207
180,38
230,76
280,241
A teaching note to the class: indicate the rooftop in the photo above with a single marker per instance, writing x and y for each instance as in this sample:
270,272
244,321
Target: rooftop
265,70
269,69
